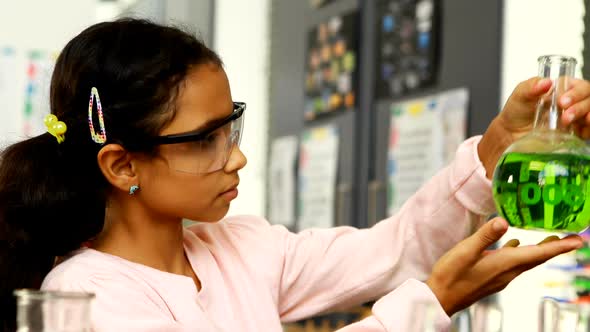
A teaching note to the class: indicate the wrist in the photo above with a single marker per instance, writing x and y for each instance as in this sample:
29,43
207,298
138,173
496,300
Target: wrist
492,145
440,296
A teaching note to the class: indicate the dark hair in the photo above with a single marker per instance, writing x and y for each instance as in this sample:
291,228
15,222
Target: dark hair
53,196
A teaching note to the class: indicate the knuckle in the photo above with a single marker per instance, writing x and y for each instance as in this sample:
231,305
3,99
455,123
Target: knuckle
463,255
487,238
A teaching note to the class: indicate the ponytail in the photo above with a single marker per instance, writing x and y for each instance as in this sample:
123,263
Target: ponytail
50,203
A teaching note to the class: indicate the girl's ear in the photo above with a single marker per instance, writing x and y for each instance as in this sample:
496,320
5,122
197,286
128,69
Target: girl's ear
117,166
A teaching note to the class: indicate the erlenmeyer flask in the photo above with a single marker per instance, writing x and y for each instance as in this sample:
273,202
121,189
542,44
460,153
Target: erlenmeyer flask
541,181
50,311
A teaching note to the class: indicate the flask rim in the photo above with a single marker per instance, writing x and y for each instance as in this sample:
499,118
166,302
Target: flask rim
557,58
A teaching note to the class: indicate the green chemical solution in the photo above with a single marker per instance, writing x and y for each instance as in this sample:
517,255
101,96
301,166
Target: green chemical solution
543,191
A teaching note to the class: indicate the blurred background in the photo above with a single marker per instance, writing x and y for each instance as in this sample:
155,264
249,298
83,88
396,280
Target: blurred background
352,105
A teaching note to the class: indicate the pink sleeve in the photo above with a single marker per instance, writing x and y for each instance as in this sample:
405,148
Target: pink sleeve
326,269
389,314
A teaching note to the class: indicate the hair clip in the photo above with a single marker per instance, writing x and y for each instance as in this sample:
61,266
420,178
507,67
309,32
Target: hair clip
55,127
101,137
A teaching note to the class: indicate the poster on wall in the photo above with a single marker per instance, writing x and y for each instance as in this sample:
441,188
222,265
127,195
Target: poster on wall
424,135
407,46
331,75
36,101
318,168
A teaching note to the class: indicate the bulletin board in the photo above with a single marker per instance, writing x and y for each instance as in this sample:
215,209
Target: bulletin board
467,54
408,34
331,75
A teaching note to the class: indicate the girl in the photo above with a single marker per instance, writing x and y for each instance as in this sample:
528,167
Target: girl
145,134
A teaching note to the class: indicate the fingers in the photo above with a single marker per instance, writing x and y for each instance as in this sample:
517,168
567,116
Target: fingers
540,87
549,239
575,101
512,243
531,256
531,89
518,112
487,235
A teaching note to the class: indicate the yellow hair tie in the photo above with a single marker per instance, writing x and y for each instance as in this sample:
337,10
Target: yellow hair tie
55,127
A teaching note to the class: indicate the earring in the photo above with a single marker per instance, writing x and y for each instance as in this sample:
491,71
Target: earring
133,190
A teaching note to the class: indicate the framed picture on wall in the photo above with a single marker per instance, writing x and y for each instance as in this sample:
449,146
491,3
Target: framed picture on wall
331,75
407,45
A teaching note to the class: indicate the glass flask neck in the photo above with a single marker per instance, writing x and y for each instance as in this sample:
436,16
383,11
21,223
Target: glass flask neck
560,70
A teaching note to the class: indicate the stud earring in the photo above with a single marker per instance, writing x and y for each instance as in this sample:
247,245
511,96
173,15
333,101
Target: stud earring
133,190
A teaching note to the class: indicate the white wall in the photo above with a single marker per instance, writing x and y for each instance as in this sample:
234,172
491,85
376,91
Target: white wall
533,28
241,37
44,24
36,25
538,27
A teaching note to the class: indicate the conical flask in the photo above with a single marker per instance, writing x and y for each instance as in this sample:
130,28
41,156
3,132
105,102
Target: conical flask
542,180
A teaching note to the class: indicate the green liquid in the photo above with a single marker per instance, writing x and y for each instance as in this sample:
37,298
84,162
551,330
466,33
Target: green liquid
543,191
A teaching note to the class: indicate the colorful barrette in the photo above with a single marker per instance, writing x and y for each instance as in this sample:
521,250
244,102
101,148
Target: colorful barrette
55,127
101,137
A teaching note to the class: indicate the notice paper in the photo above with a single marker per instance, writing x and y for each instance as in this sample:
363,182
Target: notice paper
282,179
424,135
318,168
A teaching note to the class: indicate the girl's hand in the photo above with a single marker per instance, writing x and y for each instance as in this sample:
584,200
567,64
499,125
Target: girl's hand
469,272
518,116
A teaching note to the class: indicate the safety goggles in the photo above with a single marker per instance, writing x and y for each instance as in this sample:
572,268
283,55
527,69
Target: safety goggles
205,150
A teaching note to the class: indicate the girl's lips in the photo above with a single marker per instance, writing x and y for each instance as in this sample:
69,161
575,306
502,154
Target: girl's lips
230,194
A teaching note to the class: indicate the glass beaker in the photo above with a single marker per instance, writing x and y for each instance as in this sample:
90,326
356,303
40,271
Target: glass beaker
487,317
52,311
483,316
563,317
541,180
